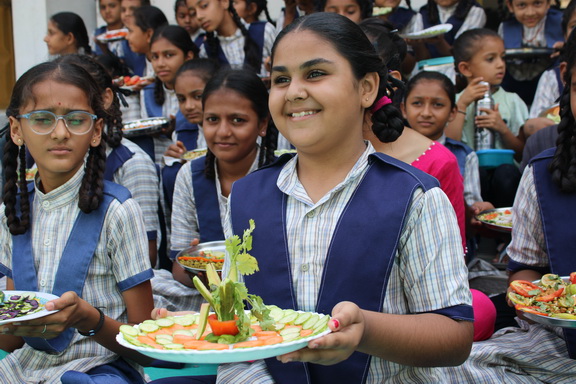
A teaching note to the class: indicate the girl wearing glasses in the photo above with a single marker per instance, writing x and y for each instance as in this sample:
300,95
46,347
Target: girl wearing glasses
69,233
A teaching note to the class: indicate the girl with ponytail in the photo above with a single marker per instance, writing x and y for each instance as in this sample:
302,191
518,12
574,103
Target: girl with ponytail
229,39
69,233
320,211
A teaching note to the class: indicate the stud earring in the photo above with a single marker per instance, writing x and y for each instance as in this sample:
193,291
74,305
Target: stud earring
19,141
94,141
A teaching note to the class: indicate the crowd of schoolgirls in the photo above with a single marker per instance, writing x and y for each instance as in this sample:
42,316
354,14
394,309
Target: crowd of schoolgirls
383,162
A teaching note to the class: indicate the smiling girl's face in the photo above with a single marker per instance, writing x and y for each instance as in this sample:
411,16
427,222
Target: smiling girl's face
231,126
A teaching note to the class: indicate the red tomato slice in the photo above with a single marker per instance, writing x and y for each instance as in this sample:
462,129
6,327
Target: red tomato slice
573,278
529,309
551,296
222,327
522,287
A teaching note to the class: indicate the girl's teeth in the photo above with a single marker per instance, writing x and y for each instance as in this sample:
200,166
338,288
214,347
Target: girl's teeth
301,114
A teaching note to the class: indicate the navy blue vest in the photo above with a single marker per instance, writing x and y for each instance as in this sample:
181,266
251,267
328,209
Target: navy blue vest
513,30
256,31
74,262
206,198
557,210
186,132
135,61
383,197
115,160
401,17
460,150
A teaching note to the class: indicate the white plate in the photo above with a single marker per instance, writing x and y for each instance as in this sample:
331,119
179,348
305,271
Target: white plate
436,30
42,297
220,357
112,35
211,247
144,126
146,80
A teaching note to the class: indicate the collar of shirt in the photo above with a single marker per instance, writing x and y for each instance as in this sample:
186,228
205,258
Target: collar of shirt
446,12
442,139
235,36
254,167
289,183
61,196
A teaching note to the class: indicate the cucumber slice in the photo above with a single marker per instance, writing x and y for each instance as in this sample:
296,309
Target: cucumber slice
184,332
313,319
163,341
133,341
288,331
128,330
165,322
276,313
173,346
279,326
321,324
291,336
149,321
202,319
148,327
185,320
301,319
289,318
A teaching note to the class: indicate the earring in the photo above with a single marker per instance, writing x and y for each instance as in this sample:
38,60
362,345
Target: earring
94,141
19,142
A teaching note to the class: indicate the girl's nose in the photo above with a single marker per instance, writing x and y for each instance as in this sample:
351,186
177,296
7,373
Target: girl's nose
295,92
60,131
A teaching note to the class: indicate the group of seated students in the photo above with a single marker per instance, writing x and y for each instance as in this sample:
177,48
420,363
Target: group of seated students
337,91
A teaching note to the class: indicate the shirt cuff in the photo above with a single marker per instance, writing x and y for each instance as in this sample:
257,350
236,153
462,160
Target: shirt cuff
133,281
457,312
152,235
514,266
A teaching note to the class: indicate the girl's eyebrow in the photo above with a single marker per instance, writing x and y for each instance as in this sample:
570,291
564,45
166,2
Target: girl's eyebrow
305,65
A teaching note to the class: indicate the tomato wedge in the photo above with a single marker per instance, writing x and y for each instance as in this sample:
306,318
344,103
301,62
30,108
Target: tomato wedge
522,287
573,278
222,327
529,309
550,296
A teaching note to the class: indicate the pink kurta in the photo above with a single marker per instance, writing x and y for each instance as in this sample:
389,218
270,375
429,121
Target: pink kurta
439,162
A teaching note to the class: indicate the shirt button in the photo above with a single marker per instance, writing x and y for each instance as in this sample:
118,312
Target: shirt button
46,204
310,214
47,242
42,283
304,267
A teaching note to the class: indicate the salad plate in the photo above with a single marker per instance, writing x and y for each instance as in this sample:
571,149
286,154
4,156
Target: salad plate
145,126
209,250
427,33
41,297
228,355
499,219
194,154
113,35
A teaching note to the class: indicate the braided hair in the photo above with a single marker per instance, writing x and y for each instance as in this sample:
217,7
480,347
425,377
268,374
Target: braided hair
179,37
247,84
113,118
261,5
251,49
460,13
350,42
563,165
14,160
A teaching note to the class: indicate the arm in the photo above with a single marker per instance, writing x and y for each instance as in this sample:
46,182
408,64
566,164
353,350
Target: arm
471,93
493,120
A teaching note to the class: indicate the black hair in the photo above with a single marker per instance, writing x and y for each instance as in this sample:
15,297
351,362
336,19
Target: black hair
563,165
180,3
567,14
350,42
251,49
444,81
366,7
204,68
178,36
261,5
465,47
249,85
149,17
69,22
14,160
460,12
114,65
113,118
391,48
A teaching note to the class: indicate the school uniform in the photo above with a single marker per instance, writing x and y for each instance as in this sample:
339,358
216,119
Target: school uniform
128,165
114,47
550,87
468,165
318,239
403,19
114,259
198,212
232,47
476,18
542,240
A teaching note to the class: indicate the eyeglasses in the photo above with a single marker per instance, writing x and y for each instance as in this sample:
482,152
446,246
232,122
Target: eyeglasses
44,122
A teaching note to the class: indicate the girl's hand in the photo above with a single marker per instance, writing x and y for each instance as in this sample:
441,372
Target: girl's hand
73,312
558,46
347,327
175,150
477,207
491,120
474,91
159,313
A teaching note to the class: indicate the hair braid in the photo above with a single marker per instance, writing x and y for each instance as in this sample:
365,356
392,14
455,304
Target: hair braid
269,145
251,49
209,165
563,165
159,96
114,122
388,122
15,156
212,45
92,188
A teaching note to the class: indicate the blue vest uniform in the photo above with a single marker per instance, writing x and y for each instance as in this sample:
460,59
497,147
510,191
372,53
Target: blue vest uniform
460,150
513,30
382,197
401,17
116,159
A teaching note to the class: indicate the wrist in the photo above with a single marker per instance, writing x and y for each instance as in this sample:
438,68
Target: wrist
92,324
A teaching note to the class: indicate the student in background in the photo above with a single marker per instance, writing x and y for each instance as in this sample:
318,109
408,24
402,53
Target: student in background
462,14
111,13
67,34
355,10
186,18
250,10
85,235
135,61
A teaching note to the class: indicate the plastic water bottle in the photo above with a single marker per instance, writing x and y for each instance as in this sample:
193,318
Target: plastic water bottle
484,138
